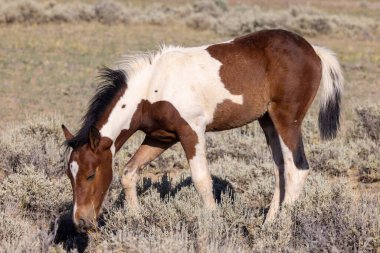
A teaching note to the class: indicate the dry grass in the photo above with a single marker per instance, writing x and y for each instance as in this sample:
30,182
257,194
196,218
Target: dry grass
38,198
49,69
59,63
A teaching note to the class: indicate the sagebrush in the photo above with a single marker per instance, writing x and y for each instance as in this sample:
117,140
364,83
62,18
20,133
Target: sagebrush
35,197
217,15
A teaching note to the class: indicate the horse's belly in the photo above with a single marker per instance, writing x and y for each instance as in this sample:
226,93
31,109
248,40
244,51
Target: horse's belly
230,115
162,135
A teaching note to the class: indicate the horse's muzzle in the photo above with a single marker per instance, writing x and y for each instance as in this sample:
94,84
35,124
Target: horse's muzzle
83,225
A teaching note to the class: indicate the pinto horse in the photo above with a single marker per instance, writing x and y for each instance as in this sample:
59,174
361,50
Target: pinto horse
177,94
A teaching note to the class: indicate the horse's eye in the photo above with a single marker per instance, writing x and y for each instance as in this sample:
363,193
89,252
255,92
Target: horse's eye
92,176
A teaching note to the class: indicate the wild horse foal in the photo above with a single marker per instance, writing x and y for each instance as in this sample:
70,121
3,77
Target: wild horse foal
178,94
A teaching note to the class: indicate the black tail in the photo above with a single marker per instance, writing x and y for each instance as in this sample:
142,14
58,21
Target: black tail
329,117
332,87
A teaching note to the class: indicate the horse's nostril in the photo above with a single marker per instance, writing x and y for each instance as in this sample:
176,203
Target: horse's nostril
81,223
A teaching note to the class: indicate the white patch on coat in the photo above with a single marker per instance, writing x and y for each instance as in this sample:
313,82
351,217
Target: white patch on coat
74,212
74,167
294,178
188,78
113,149
113,152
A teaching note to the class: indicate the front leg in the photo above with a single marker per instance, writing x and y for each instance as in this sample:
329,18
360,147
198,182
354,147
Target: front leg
147,152
194,144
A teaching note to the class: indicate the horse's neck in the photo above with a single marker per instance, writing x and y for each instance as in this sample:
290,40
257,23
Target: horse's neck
125,117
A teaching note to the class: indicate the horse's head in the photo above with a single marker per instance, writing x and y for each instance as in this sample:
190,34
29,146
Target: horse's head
90,173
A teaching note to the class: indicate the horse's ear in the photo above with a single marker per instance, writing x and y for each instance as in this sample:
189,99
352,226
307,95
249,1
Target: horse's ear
94,137
67,133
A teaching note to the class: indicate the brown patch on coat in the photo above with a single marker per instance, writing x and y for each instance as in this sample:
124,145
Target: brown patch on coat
275,71
163,122
160,121
243,72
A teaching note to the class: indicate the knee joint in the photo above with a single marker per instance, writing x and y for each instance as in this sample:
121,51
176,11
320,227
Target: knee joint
129,178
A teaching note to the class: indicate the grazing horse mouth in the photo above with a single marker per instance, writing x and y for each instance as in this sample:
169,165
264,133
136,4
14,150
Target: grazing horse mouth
85,220
83,225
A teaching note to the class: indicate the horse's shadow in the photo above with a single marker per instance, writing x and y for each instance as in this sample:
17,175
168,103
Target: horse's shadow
64,231
167,187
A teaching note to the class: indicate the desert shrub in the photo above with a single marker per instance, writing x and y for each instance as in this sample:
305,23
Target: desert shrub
200,21
37,143
306,21
172,217
110,12
239,146
212,8
214,15
160,14
17,234
369,174
352,152
363,140
323,219
368,122
334,158
23,11
345,154
326,218
33,193
71,12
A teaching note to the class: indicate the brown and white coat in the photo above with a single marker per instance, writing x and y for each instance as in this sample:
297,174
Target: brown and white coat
178,94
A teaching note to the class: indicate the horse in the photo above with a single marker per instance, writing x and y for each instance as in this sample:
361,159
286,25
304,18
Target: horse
177,94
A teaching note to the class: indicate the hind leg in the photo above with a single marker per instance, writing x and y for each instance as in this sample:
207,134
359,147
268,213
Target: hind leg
273,141
288,125
296,171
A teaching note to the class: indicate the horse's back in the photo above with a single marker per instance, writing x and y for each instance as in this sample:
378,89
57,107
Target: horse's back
290,61
231,84
265,66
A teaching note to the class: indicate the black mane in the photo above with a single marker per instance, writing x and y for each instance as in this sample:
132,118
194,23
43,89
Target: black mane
111,83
